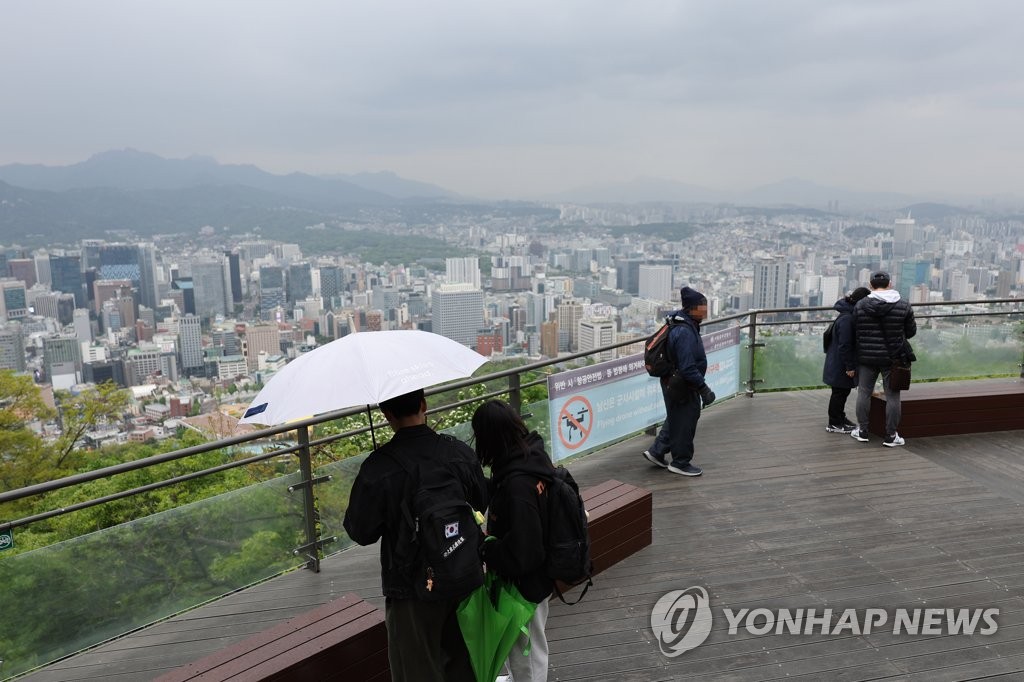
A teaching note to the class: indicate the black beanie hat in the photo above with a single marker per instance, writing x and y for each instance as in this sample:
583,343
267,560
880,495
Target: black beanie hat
691,298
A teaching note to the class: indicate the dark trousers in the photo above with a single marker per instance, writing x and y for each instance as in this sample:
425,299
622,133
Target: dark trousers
837,406
424,641
676,434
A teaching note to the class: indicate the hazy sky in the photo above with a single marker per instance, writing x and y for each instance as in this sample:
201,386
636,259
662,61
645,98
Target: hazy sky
516,99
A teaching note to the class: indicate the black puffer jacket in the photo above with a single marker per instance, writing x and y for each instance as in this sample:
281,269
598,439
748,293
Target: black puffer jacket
517,517
882,307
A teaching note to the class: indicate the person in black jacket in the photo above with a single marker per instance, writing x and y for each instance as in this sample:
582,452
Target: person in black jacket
684,391
516,518
424,639
841,363
883,323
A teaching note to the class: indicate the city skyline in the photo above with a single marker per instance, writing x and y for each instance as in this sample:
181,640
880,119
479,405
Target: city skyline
526,101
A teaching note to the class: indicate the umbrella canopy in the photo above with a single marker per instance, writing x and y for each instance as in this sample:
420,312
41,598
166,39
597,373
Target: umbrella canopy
360,369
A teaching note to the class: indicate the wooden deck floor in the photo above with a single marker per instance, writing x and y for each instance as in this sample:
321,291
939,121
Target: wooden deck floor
785,516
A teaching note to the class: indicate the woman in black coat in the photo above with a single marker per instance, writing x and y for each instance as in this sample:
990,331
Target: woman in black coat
516,516
840,370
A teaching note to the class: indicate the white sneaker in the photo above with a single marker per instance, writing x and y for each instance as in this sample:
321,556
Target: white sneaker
894,441
856,435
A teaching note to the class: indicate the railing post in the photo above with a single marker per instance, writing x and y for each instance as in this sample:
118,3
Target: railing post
751,380
515,394
309,515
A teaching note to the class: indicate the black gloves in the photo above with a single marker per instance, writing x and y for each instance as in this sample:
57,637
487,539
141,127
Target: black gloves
707,396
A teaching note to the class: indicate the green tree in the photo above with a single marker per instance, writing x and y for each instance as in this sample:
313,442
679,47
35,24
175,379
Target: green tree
24,459
82,413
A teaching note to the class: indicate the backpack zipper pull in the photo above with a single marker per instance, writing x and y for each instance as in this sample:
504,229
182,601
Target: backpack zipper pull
430,579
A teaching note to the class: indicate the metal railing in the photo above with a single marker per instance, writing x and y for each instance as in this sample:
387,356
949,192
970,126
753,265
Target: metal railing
759,327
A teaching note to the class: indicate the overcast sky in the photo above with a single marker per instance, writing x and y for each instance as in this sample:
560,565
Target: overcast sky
516,99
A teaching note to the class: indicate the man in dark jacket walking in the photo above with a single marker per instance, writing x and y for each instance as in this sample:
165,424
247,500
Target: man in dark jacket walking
684,391
424,640
883,323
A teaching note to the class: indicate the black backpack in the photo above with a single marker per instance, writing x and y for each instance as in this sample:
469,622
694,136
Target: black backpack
444,554
658,358
566,538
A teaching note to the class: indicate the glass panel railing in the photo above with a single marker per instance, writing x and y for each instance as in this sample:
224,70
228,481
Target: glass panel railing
946,347
67,596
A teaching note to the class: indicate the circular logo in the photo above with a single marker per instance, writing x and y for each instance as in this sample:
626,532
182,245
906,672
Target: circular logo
681,620
5,541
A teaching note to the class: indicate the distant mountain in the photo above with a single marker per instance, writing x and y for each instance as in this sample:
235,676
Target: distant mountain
129,169
41,217
934,211
806,193
386,182
637,191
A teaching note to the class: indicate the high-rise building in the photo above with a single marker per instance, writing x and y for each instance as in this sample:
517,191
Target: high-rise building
23,269
331,285
107,289
595,333
458,312
66,274
902,236
272,291
771,283
82,325
210,284
42,259
264,338
463,271
190,344
549,339
66,308
13,299
569,314
62,361
45,304
655,282
627,275
12,347
149,293
235,275
300,282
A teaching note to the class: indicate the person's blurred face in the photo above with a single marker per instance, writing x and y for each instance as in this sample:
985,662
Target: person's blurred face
699,312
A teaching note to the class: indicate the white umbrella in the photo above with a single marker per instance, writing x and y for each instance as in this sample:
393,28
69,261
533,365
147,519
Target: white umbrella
360,369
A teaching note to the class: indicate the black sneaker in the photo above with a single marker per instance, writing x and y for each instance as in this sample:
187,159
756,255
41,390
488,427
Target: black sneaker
849,424
686,470
845,428
659,460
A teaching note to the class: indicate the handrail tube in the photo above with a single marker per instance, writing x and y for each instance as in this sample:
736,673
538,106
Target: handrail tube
7,525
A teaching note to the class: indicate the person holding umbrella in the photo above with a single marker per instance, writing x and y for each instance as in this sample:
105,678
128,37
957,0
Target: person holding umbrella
515,550
424,639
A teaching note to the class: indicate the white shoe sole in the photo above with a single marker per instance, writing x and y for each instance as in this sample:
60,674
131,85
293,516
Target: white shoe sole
654,460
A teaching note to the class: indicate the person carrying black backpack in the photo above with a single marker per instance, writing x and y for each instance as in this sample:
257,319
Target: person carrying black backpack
394,499
516,520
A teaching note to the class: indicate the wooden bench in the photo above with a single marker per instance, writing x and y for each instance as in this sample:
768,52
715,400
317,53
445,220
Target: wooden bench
345,639
947,408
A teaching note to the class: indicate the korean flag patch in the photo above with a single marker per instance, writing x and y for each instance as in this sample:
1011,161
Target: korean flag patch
451,529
